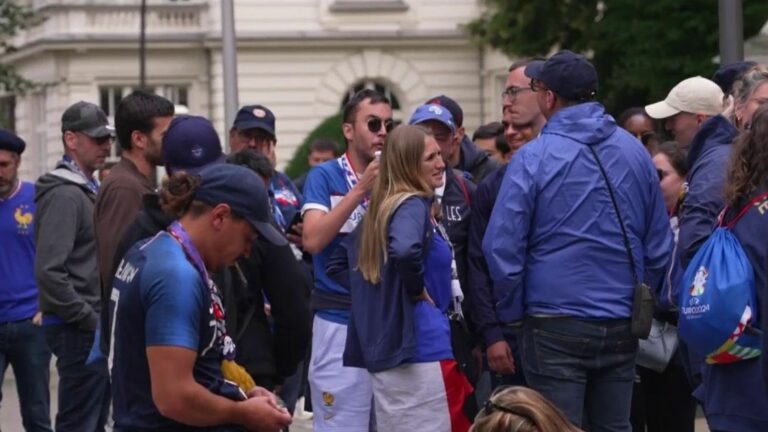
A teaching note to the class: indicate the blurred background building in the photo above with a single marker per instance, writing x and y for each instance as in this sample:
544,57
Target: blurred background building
302,58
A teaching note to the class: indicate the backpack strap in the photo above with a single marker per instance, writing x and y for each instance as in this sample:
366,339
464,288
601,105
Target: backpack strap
463,186
732,222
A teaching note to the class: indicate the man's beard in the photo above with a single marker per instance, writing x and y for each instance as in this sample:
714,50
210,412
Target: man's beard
7,187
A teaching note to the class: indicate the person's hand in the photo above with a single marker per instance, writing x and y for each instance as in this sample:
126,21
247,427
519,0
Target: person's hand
38,319
261,413
500,358
260,392
424,296
295,236
369,176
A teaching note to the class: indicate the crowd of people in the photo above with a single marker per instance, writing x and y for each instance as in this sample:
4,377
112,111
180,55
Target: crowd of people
540,256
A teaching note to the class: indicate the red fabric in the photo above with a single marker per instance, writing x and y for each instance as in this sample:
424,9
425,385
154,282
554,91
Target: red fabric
457,389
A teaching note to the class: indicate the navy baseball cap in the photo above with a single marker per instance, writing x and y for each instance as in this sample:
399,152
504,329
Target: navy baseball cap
456,112
429,112
244,192
190,144
86,118
255,117
567,74
9,141
727,74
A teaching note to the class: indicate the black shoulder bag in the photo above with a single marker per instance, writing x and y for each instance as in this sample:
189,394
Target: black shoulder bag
642,300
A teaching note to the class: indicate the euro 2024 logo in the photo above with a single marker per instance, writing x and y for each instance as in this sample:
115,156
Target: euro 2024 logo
697,288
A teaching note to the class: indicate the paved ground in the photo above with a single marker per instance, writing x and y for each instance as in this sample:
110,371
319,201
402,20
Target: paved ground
10,419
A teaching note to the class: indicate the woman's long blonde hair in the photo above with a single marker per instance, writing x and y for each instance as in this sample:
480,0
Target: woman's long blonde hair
399,178
520,409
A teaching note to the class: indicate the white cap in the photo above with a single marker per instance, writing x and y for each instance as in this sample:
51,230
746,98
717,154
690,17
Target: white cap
695,95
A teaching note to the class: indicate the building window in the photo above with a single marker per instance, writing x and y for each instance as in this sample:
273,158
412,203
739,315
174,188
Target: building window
379,87
8,112
368,6
110,97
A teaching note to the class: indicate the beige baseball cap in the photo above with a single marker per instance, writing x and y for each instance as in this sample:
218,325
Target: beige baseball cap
696,95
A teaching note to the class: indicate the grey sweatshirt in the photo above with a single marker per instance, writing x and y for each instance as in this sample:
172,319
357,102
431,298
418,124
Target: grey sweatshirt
66,268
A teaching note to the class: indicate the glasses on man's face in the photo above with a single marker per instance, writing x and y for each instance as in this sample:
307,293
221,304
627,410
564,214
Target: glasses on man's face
661,174
512,92
537,85
375,123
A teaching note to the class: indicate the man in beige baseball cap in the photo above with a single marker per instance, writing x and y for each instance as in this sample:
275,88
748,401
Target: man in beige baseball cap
687,106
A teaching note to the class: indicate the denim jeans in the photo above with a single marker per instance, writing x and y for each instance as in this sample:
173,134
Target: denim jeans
84,394
586,368
23,347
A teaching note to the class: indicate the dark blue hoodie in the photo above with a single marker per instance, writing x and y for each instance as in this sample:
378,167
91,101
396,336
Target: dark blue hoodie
735,396
554,237
480,287
707,161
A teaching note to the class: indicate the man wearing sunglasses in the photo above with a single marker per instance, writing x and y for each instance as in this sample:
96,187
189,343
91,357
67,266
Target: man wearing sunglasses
336,198
579,224
254,128
66,267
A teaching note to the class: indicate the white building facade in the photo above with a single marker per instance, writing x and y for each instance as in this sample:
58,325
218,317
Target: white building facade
301,58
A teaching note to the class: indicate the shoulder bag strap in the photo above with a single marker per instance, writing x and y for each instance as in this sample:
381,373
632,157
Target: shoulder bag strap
632,267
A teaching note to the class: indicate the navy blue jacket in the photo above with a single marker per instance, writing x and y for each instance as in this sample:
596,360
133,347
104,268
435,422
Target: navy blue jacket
734,396
480,286
457,215
385,338
554,236
707,161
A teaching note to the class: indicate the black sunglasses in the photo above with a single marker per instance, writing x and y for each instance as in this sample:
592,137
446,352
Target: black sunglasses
661,174
374,124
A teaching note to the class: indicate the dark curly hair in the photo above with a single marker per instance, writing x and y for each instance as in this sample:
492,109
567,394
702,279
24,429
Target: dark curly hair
748,167
177,194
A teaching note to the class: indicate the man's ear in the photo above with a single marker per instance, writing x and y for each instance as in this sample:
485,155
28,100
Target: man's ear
349,130
138,140
219,214
70,140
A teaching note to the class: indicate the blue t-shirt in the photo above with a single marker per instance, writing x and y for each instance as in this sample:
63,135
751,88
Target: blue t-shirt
430,323
325,187
159,299
18,290
287,198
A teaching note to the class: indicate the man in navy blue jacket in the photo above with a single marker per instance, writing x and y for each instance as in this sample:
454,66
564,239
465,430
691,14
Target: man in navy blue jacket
556,251
522,122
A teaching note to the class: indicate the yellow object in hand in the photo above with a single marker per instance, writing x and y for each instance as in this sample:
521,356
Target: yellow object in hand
237,374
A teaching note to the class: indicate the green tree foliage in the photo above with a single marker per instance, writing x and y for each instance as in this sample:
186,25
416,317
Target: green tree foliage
329,128
640,49
14,18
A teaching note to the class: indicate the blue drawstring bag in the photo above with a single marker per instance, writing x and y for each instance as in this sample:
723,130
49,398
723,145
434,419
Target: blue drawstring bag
718,304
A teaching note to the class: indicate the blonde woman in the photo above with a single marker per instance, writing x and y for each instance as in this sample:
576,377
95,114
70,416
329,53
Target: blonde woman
398,267
520,409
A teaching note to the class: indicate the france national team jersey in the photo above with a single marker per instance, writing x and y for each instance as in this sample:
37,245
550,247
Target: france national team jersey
159,299
325,187
430,322
18,290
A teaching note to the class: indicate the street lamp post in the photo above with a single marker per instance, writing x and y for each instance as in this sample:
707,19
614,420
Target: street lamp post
143,45
229,61
731,31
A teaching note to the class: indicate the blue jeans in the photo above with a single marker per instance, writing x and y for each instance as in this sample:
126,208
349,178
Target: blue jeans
586,368
23,346
84,394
